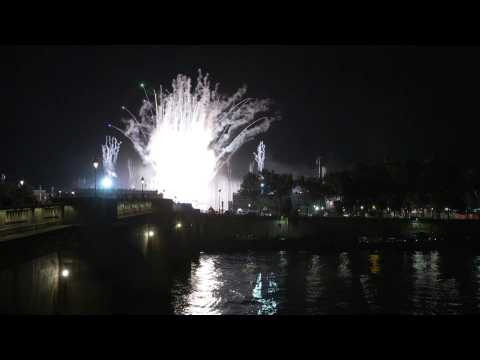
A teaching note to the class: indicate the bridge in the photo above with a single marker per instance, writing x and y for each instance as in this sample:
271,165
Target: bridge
201,231
84,208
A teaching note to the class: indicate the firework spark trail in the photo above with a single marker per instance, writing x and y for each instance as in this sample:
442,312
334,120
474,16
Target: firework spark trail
131,173
110,155
260,156
189,134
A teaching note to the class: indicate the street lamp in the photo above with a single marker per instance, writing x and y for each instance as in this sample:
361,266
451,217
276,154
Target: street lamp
65,273
95,166
219,191
22,182
142,180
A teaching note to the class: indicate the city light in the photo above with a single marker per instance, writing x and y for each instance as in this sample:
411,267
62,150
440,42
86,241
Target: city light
178,225
107,183
22,182
361,207
149,233
316,208
65,273
95,164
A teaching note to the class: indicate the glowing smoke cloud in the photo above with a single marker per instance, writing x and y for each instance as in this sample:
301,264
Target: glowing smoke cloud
187,135
110,154
260,156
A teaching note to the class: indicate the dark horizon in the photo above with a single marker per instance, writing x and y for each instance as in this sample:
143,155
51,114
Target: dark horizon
352,103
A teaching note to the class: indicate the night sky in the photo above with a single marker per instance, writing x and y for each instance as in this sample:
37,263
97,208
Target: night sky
350,103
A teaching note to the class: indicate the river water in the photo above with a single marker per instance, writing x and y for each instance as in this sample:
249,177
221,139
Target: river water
366,282
66,280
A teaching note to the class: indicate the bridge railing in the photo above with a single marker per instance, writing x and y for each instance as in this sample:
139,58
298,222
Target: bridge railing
27,219
129,208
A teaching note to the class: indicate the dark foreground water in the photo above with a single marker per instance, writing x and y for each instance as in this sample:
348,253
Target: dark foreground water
280,282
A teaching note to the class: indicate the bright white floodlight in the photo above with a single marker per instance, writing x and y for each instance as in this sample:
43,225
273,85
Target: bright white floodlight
107,183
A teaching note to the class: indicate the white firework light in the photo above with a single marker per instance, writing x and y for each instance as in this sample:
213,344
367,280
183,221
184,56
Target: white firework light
131,173
260,156
110,155
187,135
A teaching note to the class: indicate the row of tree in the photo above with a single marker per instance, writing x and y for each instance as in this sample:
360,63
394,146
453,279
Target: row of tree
396,186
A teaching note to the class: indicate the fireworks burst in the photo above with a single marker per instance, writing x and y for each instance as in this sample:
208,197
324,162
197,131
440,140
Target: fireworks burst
110,155
186,136
260,156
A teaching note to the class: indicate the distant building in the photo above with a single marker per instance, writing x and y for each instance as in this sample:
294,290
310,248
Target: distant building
40,195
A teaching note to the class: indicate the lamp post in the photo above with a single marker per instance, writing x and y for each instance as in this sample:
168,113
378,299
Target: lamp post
142,180
219,191
21,183
95,166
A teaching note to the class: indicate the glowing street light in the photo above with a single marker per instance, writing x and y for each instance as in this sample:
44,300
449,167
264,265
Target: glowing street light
316,208
142,180
107,182
95,166
361,207
373,207
22,182
219,192
178,225
65,273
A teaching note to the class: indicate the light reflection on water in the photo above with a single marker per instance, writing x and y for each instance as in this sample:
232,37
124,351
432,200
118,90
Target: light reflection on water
204,297
345,283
